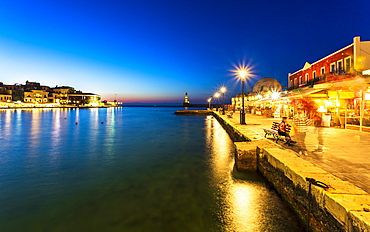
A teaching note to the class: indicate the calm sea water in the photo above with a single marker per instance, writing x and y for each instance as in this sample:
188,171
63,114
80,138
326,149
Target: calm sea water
127,169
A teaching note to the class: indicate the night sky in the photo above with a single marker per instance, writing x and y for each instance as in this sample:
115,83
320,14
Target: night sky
155,51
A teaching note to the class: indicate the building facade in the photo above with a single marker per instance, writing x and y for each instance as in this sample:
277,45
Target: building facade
83,99
33,94
36,96
260,97
5,97
346,62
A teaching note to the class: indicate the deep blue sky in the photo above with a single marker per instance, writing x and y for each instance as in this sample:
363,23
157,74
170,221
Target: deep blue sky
156,50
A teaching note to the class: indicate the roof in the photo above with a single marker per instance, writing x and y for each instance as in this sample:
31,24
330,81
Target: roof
267,84
82,94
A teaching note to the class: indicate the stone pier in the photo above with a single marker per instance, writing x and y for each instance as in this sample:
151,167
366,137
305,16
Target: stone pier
340,207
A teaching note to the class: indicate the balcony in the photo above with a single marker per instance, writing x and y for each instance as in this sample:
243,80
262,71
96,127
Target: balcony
327,77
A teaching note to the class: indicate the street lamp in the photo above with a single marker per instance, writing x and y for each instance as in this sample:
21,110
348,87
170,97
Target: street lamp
217,95
242,74
223,90
209,102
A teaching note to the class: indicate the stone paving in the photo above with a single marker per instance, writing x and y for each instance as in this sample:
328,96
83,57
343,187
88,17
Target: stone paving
345,154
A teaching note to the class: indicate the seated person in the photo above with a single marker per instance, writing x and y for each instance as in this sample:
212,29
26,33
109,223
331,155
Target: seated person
283,130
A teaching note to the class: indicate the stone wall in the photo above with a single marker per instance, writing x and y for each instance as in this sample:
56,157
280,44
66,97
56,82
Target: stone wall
233,132
341,207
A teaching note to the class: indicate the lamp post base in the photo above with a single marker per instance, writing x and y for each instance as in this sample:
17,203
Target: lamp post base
242,118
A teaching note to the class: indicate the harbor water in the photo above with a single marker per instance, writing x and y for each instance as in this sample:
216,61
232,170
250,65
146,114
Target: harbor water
128,169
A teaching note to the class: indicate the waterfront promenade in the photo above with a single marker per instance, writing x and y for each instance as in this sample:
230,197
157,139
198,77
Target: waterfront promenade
346,153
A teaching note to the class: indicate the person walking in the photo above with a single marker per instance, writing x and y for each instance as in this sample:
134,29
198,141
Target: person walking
301,123
317,121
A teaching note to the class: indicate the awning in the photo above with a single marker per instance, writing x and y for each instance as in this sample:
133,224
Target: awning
310,92
319,94
342,94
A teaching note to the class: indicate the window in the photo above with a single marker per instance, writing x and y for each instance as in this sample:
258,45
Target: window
295,82
306,77
322,70
300,80
347,64
340,66
314,75
332,67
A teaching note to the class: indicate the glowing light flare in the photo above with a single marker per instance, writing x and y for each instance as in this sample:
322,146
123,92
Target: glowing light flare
275,95
217,95
366,72
223,89
328,103
243,73
243,70
322,109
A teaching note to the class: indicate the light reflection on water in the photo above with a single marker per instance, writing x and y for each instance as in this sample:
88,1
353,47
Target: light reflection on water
247,203
143,169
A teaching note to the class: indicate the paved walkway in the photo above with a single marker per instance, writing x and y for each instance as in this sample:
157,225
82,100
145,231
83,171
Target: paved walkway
346,153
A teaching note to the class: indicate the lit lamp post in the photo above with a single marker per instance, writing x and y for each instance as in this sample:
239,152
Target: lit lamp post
209,102
217,95
242,75
223,90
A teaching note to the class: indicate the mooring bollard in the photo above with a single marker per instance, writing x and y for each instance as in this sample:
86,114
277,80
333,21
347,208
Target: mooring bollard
312,181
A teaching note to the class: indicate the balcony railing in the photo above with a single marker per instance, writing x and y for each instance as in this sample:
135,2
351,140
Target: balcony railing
327,77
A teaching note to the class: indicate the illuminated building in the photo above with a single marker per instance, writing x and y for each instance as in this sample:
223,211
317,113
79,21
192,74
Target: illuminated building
336,85
36,96
262,90
33,94
341,64
83,99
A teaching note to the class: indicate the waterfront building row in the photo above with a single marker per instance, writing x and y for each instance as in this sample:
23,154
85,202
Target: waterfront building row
341,64
36,94
341,92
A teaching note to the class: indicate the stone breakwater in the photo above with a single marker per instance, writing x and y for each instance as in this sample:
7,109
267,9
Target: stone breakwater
194,112
340,207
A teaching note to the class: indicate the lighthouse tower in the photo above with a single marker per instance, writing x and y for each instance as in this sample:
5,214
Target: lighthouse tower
186,100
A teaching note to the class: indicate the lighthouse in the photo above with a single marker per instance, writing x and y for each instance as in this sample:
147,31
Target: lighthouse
186,100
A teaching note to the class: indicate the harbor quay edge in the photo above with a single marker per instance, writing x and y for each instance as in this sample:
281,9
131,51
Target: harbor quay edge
340,207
